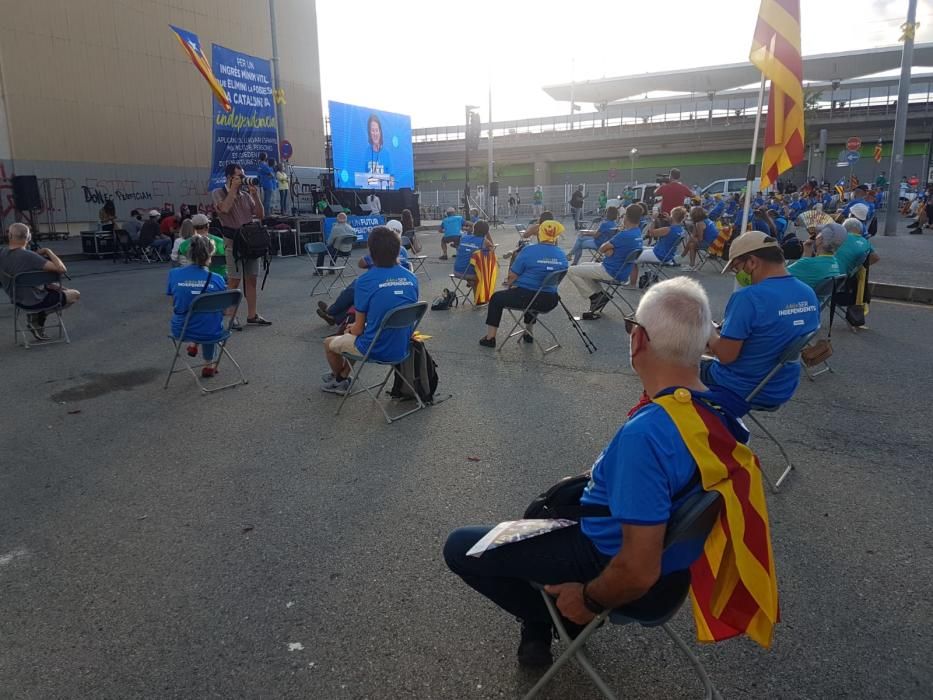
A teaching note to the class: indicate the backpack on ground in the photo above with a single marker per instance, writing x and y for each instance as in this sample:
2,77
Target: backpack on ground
420,371
446,300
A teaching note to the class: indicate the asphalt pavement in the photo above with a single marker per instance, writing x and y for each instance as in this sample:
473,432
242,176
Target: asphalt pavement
249,544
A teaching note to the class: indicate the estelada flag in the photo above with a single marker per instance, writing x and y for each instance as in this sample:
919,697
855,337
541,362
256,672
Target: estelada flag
877,155
776,53
733,584
486,267
192,46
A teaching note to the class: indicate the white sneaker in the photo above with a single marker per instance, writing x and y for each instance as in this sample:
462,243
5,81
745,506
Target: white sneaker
336,387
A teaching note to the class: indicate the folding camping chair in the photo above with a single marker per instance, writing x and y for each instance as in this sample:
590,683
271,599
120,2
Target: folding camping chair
825,294
692,521
212,302
704,256
313,250
791,355
653,272
612,289
553,279
39,278
417,265
407,316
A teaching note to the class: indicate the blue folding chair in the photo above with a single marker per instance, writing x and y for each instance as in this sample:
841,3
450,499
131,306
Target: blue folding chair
407,316
39,278
209,303
313,250
791,355
692,521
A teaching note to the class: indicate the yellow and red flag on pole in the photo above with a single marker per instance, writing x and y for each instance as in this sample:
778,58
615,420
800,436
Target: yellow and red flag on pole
733,584
877,154
776,53
192,46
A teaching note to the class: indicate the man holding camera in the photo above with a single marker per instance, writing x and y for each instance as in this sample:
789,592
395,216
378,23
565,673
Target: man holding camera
238,204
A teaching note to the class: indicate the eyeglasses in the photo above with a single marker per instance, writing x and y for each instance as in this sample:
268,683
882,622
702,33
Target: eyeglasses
630,324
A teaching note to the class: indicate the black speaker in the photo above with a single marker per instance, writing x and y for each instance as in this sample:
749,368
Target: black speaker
26,193
493,189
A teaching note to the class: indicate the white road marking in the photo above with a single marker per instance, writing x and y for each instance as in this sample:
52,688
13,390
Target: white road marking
10,557
295,646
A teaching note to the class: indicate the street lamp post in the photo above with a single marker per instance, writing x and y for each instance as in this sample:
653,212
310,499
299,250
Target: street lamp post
632,155
466,150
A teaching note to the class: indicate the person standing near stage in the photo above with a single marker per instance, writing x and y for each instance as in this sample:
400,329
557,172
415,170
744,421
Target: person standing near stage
537,201
375,205
267,181
237,207
282,178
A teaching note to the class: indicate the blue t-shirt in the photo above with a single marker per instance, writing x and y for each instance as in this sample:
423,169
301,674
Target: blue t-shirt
717,210
848,208
605,232
267,177
623,243
469,244
535,262
766,316
402,259
452,225
637,476
184,284
666,247
710,232
378,291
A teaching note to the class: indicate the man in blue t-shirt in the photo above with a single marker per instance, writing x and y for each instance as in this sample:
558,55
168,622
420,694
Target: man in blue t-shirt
478,239
451,228
267,182
381,289
760,321
858,197
643,475
592,240
586,276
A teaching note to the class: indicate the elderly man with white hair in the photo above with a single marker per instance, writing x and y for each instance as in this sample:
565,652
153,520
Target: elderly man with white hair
643,475
340,228
818,263
854,248
16,259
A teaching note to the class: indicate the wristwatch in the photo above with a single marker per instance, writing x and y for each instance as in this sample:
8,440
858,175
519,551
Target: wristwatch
593,606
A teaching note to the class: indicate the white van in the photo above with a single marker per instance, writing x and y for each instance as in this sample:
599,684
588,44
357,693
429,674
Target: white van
729,186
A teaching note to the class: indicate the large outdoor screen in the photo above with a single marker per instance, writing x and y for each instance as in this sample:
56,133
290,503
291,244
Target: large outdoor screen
372,148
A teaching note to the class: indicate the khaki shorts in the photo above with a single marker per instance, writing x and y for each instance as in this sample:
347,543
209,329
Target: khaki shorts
340,344
250,267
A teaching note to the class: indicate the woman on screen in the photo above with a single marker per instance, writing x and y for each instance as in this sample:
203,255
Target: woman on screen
379,162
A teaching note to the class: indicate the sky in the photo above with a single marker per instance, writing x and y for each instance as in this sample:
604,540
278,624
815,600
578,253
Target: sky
429,59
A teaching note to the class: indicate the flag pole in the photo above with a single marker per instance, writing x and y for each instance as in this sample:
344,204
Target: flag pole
750,175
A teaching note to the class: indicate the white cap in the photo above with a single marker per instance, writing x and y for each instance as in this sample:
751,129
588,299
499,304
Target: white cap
153,212
859,211
394,225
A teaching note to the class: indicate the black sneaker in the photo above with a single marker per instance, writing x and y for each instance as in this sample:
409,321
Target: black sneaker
487,342
528,337
534,649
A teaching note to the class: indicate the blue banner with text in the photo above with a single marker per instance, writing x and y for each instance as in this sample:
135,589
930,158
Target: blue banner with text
361,224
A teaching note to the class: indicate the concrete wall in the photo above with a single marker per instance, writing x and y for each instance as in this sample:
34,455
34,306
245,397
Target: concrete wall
99,95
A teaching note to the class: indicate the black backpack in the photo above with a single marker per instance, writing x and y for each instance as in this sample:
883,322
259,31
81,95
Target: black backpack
420,371
252,241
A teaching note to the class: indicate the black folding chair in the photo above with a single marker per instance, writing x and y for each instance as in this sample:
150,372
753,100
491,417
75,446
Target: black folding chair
825,293
406,316
692,521
553,279
208,303
37,279
612,289
791,355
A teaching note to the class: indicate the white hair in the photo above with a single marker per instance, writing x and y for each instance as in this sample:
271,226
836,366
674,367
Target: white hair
675,314
18,232
852,225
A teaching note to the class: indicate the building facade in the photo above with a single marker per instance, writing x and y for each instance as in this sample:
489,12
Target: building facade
99,100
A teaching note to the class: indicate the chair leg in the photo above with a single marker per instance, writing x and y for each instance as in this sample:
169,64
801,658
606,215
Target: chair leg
710,690
574,650
545,350
587,343
177,344
789,465
512,333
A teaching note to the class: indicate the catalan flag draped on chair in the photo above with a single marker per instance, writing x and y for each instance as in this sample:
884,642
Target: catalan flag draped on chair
776,53
733,583
192,46
487,274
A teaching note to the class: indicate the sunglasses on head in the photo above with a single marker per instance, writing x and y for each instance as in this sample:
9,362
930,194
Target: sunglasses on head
630,324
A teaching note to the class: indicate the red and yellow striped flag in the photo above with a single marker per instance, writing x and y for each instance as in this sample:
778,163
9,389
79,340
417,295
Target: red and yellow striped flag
877,153
776,53
486,267
733,584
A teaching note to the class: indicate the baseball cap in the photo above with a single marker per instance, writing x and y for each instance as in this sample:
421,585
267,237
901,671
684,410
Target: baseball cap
153,212
863,187
394,225
859,211
200,220
749,242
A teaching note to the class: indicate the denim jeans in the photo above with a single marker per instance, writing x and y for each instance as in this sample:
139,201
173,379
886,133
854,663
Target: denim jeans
727,398
342,303
502,574
332,252
582,243
267,200
283,201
